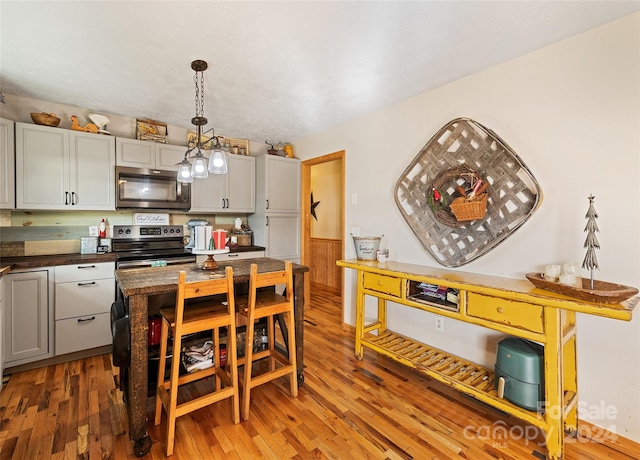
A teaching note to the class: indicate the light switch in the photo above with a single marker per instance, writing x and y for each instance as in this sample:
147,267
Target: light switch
354,198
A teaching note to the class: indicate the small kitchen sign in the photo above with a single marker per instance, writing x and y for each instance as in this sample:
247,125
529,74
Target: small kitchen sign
150,219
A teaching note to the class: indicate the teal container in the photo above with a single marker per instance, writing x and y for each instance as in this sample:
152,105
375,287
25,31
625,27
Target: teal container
520,371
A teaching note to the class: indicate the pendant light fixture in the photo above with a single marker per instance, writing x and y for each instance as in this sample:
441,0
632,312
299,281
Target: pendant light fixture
196,165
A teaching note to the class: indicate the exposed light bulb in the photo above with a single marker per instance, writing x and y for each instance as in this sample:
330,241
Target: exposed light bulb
218,162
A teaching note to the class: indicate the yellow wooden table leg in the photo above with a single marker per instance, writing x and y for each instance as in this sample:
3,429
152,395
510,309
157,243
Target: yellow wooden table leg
554,384
359,352
382,314
570,373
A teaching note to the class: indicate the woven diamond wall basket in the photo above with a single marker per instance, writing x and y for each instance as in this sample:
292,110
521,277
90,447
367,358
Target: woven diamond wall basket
458,158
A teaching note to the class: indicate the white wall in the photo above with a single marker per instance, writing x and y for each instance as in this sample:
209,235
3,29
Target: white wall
572,113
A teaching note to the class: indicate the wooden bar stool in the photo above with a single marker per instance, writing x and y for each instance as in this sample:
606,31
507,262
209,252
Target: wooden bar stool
210,314
265,303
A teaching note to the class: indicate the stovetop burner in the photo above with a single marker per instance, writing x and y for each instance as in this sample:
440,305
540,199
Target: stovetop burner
140,245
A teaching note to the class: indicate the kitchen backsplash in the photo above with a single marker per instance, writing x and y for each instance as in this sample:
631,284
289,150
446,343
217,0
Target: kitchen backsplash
30,233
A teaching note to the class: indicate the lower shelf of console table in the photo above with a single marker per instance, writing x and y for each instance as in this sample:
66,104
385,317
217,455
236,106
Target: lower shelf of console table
463,375
513,307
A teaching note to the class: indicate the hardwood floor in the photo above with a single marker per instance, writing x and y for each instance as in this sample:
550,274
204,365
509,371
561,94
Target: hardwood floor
346,409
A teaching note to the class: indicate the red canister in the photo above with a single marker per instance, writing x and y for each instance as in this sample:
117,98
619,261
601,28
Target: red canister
155,324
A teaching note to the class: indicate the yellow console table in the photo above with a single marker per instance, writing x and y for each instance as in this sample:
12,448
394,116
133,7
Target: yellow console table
512,306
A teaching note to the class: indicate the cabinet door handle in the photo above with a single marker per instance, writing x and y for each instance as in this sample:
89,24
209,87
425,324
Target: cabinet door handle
267,219
233,255
90,283
73,198
66,198
228,205
267,204
80,267
500,310
86,320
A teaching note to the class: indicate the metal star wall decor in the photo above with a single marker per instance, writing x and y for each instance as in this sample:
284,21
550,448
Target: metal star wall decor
314,205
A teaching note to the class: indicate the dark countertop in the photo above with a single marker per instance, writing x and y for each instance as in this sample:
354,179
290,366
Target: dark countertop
20,263
26,262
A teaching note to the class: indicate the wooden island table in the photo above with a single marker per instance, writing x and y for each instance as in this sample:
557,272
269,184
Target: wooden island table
137,284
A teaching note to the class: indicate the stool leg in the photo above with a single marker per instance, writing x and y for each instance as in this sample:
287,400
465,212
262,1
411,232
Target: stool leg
162,363
232,366
248,366
217,363
271,340
293,378
173,393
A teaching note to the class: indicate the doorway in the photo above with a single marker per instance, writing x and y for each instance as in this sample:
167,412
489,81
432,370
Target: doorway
323,221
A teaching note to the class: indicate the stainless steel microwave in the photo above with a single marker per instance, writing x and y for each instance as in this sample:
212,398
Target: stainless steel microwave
150,189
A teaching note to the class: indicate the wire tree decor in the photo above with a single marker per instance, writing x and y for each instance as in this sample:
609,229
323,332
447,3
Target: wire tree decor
591,243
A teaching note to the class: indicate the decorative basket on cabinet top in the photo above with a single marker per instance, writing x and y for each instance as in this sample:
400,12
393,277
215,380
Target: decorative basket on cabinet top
46,119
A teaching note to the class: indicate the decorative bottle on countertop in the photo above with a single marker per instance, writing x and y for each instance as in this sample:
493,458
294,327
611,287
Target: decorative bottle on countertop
102,231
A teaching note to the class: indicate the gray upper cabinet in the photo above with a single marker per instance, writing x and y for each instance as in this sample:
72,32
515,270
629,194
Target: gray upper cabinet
148,155
60,169
276,222
233,192
278,184
7,165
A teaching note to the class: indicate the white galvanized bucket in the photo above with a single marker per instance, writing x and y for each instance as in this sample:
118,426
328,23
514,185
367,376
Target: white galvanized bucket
366,246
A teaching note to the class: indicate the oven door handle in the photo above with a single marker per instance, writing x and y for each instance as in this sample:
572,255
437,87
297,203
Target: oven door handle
147,262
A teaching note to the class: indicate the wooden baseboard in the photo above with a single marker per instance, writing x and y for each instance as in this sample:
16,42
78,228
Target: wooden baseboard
59,359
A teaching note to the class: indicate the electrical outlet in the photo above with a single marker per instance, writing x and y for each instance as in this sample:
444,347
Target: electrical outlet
439,323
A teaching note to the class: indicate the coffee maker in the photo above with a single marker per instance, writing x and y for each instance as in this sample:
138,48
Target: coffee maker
192,224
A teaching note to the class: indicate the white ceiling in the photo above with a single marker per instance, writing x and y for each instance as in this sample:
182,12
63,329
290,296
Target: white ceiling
277,70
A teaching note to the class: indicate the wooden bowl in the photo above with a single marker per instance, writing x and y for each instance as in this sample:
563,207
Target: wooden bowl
46,119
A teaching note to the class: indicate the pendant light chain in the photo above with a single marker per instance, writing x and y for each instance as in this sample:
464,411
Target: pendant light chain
199,97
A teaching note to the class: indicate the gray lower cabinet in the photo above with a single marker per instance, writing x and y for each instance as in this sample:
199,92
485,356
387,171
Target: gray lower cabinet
28,311
279,234
84,294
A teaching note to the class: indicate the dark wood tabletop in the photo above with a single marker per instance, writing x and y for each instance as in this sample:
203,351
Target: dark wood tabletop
158,280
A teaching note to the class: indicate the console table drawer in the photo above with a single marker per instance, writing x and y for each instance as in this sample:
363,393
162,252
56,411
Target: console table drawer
510,313
381,283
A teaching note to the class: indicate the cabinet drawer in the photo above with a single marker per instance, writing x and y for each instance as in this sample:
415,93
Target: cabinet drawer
382,283
82,272
82,333
510,313
79,298
232,256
